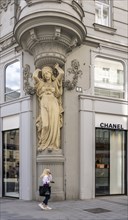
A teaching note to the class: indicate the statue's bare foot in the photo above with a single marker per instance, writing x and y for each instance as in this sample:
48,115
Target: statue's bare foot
50,148
39,149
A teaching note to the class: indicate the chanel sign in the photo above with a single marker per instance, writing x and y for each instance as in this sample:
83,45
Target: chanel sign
111,126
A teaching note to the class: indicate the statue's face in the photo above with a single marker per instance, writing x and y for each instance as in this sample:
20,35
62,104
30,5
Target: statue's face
47,75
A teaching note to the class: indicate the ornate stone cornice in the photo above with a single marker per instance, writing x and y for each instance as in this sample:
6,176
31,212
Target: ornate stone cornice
7,43
50,29
4,4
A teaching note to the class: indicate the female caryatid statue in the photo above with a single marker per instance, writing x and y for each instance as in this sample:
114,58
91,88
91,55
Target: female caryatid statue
49,92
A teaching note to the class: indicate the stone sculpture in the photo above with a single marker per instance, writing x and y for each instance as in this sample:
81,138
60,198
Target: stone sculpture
49,91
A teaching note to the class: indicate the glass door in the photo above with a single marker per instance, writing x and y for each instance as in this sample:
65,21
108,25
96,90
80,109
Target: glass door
117,162
11,163
110,162
102,162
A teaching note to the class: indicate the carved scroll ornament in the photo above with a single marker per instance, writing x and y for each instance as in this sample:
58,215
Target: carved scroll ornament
7,43
70,85
29,2
28,81
4,4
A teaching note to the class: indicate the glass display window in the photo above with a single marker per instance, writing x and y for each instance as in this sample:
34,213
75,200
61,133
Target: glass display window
11,163
110,162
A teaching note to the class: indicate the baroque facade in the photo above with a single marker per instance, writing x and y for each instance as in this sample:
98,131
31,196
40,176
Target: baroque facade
88,41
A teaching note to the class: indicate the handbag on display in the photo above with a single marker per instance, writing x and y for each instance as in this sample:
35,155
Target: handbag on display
44,190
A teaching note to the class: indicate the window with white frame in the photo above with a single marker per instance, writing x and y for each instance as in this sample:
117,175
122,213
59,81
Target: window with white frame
109,78
12,81
103,12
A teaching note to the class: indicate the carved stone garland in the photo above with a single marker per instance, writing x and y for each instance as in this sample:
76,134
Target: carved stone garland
70,85
28,81
29,2
4,4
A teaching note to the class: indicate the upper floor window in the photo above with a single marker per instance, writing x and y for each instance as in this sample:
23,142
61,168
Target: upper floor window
12,81
102,12
109,78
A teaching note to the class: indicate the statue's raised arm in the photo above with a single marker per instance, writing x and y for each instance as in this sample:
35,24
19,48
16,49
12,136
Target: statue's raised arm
36,75
49,92
60,71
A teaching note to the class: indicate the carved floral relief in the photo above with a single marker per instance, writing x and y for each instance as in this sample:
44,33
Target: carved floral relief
4,4
7,43
76,72
28,81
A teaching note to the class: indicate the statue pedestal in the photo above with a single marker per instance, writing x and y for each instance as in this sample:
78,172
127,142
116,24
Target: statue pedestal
54,160
50,156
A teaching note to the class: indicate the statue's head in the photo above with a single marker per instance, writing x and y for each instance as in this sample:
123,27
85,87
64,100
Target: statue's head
47,73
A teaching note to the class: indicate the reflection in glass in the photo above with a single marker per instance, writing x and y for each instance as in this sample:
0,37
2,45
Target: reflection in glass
109,78
11,163
102,12
102,162
12,81
110,161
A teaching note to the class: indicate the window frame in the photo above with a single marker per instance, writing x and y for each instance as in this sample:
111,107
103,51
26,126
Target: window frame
5,82
110,89
10,147
102,5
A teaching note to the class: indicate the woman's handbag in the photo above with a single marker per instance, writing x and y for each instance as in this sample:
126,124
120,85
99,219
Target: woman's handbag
44,190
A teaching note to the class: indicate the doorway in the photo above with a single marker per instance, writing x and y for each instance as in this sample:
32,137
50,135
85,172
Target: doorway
11,163
110,175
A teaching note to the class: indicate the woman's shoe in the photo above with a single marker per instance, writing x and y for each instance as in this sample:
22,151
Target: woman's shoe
41,206
49,208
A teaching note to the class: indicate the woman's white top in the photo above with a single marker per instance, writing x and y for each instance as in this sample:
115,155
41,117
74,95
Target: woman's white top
47,179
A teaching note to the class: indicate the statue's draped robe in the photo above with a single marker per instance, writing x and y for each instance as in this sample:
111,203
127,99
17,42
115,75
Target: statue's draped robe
49,120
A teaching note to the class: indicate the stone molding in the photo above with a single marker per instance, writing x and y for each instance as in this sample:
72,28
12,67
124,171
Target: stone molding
75,5
48,34
4,4
7,43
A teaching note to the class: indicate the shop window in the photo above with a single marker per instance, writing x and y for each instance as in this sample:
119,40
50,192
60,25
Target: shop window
110,162
12,81
102,12
11,163
109,78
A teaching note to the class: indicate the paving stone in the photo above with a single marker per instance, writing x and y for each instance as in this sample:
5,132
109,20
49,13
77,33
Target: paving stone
107,208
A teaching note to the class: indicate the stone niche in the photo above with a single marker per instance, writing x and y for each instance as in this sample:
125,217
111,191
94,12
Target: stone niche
50,29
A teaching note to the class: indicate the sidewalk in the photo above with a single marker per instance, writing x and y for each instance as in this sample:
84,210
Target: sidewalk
103,208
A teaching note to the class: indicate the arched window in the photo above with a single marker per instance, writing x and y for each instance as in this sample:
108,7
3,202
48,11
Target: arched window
12,81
